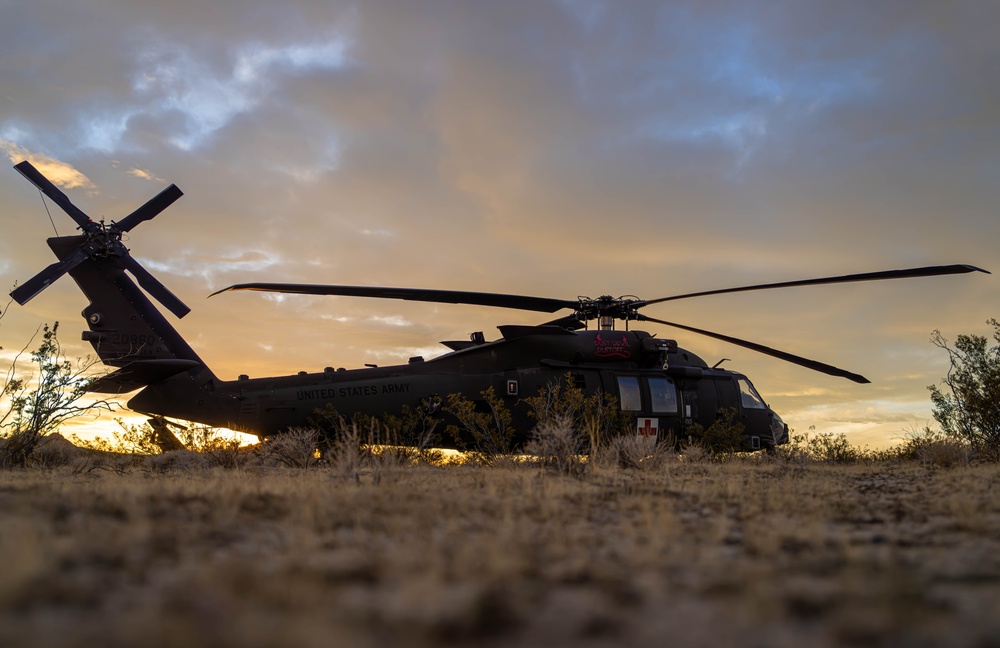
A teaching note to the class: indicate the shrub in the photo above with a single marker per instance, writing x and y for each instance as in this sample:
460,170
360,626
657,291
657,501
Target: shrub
834,448
723,438
485,430
39,403
596,418
795,451
825,447
968,406
132,439
935,448
413,427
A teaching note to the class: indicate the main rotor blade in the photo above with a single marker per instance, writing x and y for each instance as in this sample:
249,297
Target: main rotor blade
522,302
27,291
153,286
56,196
753,346
929,271
153,206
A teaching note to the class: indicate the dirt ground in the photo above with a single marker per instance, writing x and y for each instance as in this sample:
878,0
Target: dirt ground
739,553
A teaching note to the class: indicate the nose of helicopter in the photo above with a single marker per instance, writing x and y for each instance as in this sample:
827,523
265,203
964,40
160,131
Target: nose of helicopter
779,429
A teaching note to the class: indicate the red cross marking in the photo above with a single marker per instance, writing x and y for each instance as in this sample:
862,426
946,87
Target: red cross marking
647,428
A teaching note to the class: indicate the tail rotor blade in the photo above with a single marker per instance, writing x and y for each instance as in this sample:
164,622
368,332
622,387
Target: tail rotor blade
153,286
56,196
27,291
154,206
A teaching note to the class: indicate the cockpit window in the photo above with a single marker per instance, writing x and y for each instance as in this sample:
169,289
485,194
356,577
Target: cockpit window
663,395
629,394
749,396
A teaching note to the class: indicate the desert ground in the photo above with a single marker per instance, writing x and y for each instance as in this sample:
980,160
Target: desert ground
758,551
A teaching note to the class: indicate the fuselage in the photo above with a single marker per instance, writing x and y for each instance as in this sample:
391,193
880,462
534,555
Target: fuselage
666,389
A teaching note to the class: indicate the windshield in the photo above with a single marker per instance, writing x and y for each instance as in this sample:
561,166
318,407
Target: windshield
749,396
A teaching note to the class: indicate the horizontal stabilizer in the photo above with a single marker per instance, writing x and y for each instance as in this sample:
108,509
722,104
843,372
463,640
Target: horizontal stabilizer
140,374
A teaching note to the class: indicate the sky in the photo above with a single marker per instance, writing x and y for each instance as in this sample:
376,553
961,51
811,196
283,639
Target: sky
554,148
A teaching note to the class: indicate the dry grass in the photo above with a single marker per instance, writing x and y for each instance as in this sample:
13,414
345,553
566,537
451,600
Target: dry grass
684,554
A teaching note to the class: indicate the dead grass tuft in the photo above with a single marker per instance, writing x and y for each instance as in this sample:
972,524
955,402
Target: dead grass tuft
296,448
632,452
557,446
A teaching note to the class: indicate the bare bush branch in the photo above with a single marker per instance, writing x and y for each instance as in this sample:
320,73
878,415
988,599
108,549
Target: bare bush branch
42,401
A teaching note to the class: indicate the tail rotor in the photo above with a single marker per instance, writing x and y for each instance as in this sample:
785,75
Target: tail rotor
100,243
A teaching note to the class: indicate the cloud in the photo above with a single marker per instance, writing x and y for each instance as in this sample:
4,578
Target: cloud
145,175
60,173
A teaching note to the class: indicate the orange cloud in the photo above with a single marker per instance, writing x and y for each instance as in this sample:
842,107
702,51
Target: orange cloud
60,173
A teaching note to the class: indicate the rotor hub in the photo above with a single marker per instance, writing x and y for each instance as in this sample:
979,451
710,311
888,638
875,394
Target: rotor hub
104,242
606,309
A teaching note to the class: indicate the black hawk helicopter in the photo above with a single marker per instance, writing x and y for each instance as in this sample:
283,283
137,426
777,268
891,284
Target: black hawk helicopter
667,388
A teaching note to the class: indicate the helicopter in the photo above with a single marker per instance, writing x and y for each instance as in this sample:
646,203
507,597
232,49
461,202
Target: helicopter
664,388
